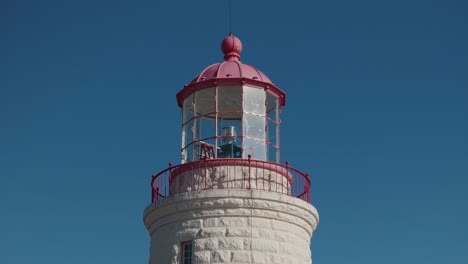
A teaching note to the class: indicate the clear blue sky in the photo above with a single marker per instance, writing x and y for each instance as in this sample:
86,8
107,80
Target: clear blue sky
377,113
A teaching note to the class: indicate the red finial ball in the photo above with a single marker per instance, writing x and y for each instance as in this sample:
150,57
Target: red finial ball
231,47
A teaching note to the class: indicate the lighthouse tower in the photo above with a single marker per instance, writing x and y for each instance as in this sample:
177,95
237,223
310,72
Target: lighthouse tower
230,200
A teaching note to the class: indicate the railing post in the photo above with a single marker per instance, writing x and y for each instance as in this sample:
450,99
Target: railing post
269,180
250,158
206,160
152,188
169,180
288,188
307,187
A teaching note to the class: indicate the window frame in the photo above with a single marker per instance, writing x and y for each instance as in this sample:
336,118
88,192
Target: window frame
183,258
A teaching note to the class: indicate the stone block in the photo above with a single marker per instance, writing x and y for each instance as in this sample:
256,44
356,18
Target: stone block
202,257
238,211
280,259
232,221
264,245
221,256
175,249
281,225
281,236
240,257
247,244
210,222
212,232
287,249
238,232
208,212
260,258
267,234
261,222
231,243
228,202
206,244
217,193
187,234
191,223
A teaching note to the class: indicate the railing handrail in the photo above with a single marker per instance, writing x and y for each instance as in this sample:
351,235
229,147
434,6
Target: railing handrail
297,182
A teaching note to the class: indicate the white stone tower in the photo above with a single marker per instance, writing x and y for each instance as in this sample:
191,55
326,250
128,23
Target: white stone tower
230,200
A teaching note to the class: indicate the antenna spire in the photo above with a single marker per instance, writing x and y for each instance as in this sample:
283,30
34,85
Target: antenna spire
230,16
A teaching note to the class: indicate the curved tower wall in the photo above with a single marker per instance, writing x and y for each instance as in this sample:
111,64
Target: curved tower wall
226,176
231,226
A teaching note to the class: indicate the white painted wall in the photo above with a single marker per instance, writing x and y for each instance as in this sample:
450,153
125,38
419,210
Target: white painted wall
232,226
232,177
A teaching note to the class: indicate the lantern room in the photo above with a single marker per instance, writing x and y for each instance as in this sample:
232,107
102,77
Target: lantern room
231,110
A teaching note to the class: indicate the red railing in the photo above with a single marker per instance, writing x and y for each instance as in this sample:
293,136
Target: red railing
230,174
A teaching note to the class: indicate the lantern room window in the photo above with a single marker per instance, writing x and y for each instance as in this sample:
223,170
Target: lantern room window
272,127
229,131
230,122
254,123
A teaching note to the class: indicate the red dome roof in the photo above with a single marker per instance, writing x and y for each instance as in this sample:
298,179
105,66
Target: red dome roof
231,69
230,72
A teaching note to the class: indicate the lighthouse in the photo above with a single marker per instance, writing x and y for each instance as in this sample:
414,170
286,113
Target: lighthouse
230,199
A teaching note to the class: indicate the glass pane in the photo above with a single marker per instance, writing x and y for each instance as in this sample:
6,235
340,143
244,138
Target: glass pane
187,138
273,128
229,132
204,137
187,154
205,103
205,128
254,143
256,148
230,102
187,135
187,109
254,100
196,129
272,107
254,126
230,138
187,132
272,132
